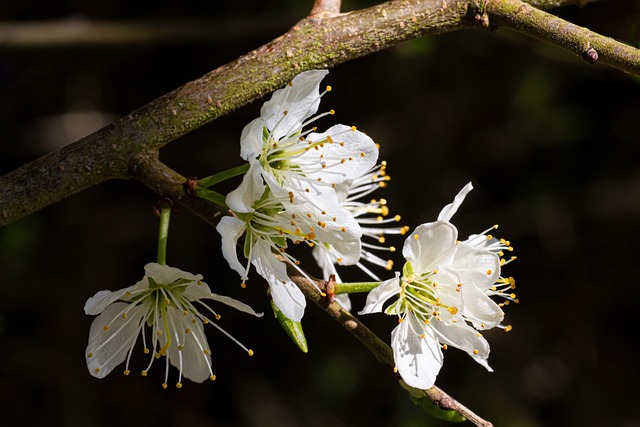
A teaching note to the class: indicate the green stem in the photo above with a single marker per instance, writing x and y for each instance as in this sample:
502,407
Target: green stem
355,287
212,196
165,214
224,175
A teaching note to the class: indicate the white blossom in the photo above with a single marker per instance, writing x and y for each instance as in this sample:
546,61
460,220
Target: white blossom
268,230
166,301
443,296
296,163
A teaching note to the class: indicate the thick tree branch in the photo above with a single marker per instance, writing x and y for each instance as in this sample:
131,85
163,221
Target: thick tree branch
111,152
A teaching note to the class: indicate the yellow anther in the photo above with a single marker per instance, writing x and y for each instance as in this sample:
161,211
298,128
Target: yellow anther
353,128
489,237
400,320
332,112
444,346
217,316
416,237
328,88
199,282
207,352
144,373
106,327
489,272
178,385
164,386
475,351
124,315
508,328
452,310
243,285
180,347
395,370
145,350
422,336
250,352
187,330
97,370
285,112
126,372
212,377
361,154
90,355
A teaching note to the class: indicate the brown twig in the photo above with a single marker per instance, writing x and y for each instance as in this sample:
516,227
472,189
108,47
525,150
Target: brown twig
325,8
375,345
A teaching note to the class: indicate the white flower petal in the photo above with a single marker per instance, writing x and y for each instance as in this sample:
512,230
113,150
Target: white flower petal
481,310
251,139
418,359
351,155
286,295
480,266
196,364
164,274
230,229
249,191
285,112
464,337
435,244
377,297
231,302
108,348
448,211
97,303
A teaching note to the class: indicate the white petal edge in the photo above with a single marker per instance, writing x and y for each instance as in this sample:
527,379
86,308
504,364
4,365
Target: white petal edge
108,348
435,244
286,295
418,359
379,295
448,211
249,191
230,229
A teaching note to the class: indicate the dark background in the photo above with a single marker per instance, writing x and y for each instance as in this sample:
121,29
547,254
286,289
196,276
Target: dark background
550,143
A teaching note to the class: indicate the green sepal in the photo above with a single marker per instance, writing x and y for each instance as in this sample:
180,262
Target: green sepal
419,398
293,329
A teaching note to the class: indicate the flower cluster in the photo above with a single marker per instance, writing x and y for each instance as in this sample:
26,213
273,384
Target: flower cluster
312,188
291,192
443,296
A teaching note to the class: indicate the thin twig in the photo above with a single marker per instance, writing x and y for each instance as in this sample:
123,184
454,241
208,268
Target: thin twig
325,8
375,345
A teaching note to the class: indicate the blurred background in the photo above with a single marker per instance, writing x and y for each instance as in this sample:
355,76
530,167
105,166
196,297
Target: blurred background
550,143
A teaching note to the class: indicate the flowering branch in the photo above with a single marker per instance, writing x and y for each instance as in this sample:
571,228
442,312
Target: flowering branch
315,42
375,345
